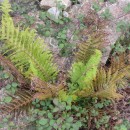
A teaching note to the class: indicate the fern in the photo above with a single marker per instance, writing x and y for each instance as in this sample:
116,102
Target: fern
82,74
27,52
21,99
88,48
13,70
25,49
107,81
44,90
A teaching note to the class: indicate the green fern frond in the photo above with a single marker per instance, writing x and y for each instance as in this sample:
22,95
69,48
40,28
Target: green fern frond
5,7
88,48
26,50
82,74
20,100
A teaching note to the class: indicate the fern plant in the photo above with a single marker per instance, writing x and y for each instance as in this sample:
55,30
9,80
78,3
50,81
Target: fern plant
25,49
108,80
82,74
29,55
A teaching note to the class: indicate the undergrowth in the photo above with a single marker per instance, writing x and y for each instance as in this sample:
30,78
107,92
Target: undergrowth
38,98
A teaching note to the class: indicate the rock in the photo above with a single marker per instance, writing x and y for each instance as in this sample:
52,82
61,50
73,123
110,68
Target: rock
46,4
65,14
118,14
21,1
53,13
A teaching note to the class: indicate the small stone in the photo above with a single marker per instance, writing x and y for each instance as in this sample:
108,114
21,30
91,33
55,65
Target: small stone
53,13
65,14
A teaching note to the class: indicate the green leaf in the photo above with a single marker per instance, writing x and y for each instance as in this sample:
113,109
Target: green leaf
50,116
6,76
14,84
42,15
68,107
99,105
55,101
70,119
123,127
96,6
61,46
63,36
52,122
37,105
47,33
7,99
127,8
13,90
43,121
59,121
42,103
8,86
5,120
55,109
68,125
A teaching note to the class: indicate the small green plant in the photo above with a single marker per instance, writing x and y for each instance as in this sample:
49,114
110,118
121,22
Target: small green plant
123,26
18,9
127,8
124,126
29,20
104,120
12,87
118,48
112,1
96,7
42,15
106,14
59,115
21,9
45,30
64,45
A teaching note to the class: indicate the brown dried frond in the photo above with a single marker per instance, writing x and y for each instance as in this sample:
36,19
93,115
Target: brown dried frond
86,49
21,99
105,84
43,89
14,71
120,62
108,80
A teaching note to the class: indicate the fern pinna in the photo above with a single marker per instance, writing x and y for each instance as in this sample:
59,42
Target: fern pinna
82,74
25,49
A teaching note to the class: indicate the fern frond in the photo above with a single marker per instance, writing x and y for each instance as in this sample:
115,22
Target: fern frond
107,81
5,7
26,50
88,48
21,99
105,84
44,90
81,75
12,69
